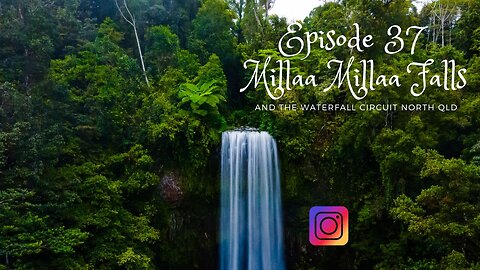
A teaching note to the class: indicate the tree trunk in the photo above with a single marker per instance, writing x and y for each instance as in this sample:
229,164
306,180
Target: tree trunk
141,54
131,20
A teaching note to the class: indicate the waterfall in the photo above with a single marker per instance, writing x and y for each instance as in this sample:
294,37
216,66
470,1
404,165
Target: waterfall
251,234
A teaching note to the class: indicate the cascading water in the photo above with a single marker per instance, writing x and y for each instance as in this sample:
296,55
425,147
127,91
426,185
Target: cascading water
251,234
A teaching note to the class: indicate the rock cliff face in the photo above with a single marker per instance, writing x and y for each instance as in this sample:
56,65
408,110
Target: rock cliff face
170,187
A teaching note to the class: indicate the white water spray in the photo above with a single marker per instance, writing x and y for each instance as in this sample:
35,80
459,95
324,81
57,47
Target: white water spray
251,234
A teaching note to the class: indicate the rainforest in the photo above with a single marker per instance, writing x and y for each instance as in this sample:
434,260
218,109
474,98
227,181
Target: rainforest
116,118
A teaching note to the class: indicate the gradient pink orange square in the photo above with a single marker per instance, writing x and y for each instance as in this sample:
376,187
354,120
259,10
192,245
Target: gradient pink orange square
328,225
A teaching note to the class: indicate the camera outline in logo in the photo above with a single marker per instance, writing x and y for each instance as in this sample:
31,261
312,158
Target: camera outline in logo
328,225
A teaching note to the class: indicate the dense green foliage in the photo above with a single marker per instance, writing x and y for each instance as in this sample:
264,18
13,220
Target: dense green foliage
98,170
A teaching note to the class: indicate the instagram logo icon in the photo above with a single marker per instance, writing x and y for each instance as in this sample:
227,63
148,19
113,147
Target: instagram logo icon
328,226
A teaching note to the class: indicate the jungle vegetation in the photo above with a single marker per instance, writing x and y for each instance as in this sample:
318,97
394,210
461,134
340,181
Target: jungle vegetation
110,129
